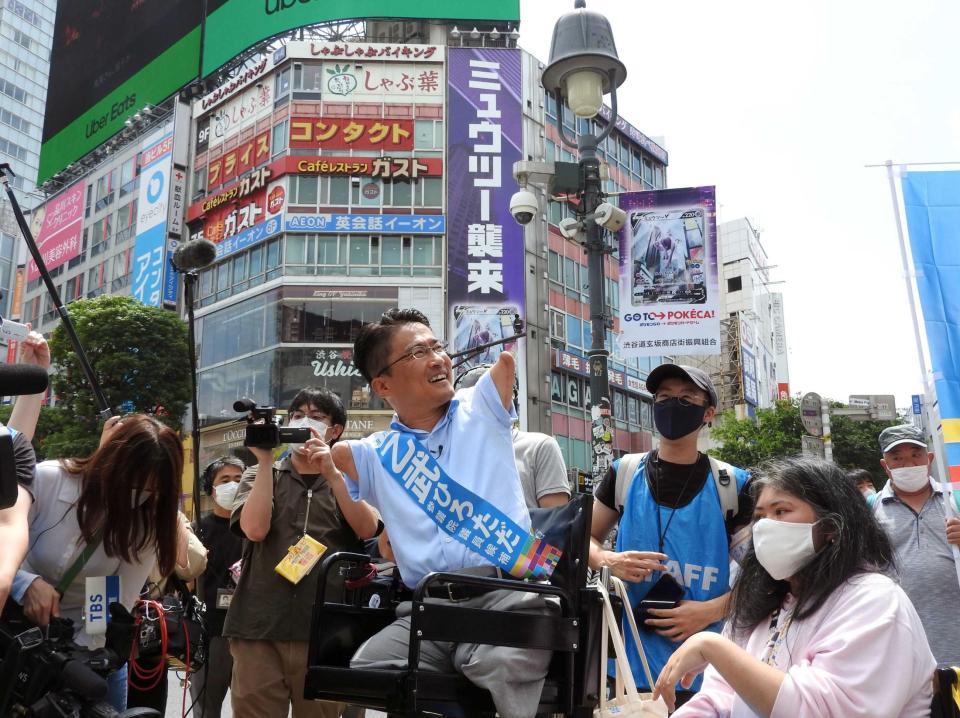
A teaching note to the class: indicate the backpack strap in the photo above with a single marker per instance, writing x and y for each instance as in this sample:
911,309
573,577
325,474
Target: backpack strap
626,470
724,477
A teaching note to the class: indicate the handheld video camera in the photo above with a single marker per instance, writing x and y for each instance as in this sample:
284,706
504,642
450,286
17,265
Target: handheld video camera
263,427
50,675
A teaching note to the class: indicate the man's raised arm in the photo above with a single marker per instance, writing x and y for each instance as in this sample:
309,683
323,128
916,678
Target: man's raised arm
504,374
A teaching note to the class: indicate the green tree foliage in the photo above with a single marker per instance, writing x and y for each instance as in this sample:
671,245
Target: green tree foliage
139,355
51,421
776,432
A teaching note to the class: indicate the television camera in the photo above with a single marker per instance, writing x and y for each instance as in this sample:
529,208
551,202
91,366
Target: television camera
263,427
44,674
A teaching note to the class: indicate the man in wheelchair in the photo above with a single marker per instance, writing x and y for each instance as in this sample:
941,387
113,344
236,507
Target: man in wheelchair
446,484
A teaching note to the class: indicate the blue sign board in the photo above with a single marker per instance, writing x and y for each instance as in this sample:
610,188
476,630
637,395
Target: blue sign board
373,223
917,404
249,237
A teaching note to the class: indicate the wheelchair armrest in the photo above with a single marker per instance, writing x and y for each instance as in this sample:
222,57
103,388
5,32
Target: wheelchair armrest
507,584
474,625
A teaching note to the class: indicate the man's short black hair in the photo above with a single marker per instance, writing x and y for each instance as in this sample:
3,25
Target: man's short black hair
325,400
214,468
371,350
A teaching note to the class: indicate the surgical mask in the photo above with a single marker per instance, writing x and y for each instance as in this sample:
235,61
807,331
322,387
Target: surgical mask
139,498
783,547
224,494
307,423
910,478
867,493
676,419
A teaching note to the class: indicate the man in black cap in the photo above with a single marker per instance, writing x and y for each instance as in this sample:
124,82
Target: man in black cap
912,509
675,510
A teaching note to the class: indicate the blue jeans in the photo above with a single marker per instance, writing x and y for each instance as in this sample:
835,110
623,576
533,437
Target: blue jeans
117,689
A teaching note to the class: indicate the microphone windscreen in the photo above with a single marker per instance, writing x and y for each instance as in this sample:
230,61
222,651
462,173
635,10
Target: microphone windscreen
17,379
195,254
244,405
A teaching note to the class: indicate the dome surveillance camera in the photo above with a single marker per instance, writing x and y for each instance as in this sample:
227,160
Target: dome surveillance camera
610,217
523,206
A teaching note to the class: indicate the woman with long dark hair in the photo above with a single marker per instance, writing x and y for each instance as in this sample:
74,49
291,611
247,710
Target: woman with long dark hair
113,513
816,628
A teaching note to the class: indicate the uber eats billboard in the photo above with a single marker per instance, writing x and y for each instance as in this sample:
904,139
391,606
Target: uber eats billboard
110,59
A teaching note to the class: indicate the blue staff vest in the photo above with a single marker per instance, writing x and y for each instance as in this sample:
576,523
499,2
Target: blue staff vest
697,552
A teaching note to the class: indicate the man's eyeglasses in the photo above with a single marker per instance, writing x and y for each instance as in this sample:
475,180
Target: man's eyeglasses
416,353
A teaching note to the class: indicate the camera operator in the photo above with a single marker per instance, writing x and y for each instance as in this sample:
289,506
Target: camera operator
14,524
279,505
113,513
221,480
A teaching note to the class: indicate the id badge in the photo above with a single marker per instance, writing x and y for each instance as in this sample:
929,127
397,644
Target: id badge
300,559
101,591
224,596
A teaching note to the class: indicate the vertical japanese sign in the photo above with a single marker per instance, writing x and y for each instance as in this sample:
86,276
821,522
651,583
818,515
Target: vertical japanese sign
156,160
932,204
669,292
171,276
485,246
56,226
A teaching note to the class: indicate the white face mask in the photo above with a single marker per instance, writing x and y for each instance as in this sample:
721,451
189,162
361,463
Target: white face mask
224,494
867,493
783,547
307,423
910,478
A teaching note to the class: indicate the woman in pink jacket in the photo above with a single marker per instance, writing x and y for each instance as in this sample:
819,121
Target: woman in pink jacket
816,629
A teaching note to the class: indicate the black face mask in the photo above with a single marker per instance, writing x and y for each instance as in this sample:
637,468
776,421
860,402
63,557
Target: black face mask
675,419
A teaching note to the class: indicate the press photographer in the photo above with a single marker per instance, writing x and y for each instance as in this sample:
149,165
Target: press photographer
17,458
281,505
98,526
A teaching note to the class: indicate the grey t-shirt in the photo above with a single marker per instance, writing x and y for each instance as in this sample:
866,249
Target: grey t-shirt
541,466
926,569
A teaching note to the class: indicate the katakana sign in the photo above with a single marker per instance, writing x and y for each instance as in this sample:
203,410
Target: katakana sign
486,247
385,168
359,133
240,159
156,161
367,223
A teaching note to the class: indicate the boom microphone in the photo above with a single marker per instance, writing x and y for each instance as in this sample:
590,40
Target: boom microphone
17,379
195,254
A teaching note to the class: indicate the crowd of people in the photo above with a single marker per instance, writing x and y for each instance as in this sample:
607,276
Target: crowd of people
791,589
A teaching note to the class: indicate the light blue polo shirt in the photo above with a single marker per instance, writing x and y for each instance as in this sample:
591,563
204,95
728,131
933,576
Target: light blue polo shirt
474,445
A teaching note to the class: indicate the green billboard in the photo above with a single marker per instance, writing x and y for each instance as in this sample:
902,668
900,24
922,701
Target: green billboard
235,25
104,67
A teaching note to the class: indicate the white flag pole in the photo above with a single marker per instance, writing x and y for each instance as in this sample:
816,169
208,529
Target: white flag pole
915,316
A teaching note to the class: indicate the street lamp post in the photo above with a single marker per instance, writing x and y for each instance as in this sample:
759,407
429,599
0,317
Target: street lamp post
583,67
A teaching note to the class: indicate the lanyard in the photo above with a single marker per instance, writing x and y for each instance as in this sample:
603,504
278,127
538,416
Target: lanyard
662,533
777,636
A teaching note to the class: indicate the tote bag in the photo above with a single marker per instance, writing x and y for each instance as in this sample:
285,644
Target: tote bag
627,700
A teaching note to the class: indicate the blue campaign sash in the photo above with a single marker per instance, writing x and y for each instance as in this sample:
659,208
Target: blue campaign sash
461,514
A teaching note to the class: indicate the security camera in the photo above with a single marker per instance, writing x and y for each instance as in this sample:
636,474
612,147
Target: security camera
523,206
610,217
569,227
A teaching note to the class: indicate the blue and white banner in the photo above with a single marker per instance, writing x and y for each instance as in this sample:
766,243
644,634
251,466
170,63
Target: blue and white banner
101,591
932,205
149,249
375,223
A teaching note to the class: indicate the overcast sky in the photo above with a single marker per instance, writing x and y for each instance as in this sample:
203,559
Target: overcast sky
781,106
